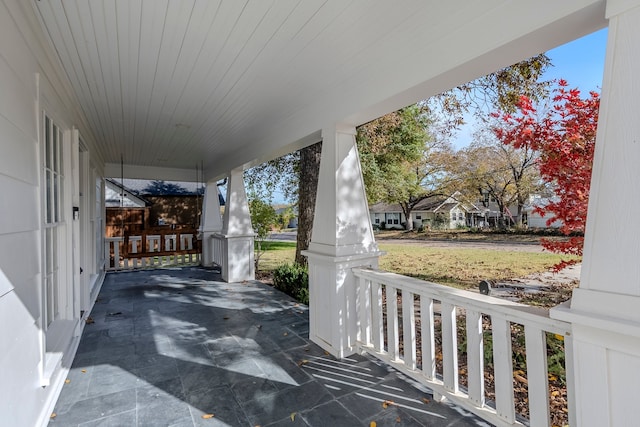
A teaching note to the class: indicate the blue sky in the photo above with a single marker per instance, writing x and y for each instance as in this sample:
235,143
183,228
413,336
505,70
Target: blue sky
580,63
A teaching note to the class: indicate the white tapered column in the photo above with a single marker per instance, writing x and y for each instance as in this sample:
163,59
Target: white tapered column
605,309
237,232
342,238
211,221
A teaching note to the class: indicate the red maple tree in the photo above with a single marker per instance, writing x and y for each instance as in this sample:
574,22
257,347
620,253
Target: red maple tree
565,137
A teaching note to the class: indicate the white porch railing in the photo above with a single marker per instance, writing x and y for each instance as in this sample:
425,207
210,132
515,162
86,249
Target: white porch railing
218,242
393,333
151,250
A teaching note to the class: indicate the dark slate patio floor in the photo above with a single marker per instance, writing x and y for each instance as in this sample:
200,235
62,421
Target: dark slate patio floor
169,346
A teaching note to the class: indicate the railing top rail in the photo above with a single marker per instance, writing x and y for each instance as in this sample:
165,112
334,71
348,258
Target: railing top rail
512,311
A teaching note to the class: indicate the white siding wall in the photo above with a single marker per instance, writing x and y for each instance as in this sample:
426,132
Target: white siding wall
23,399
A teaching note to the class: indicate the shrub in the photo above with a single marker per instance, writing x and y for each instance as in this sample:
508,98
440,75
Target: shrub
293,280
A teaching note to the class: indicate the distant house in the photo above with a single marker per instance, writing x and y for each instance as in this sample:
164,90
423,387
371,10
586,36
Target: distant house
293,219
534,219
433,212
137,205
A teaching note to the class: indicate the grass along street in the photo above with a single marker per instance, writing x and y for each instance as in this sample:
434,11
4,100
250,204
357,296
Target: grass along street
451,264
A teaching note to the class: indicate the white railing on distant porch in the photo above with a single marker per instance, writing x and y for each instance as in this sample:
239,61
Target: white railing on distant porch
422,303
151,250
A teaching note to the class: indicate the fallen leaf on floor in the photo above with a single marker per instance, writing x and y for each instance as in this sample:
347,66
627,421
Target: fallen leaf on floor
373,424
84,371
521,378
398,419
285,334
207,416
326,353
387,403
67,381
89,320
292,416
425,400
303,362
53,415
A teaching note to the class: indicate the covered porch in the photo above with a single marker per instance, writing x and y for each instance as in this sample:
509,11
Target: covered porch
161,89
171,346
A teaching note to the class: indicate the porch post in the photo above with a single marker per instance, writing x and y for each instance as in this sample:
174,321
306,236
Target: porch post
605,309
342,238
237,232
210,221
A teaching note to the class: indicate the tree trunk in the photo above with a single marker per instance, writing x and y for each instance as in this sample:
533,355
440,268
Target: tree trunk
408,225
307,189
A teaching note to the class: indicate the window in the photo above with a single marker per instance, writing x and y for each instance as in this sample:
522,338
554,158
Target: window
377,220
393,218
53,183
460,216
418,216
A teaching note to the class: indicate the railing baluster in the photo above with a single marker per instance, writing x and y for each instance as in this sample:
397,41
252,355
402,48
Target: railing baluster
409,330
364,311
427,335
537,375
503,368
475,357
570,379
449,347
377,323
393,343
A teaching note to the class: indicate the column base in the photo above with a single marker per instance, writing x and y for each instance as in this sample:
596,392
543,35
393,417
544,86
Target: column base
606,356
238,256
333,322
207,259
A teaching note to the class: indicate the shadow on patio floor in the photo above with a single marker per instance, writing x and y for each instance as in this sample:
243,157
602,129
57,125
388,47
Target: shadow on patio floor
170,347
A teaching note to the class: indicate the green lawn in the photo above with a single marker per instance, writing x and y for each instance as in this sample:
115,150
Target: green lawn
459,267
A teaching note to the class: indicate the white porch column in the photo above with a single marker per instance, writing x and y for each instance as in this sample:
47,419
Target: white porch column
210,221
605,310
342,238
237,232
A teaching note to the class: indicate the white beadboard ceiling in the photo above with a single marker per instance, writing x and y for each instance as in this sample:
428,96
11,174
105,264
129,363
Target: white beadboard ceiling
177,83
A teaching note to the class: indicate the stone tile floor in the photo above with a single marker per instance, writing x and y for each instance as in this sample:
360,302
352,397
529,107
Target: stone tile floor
169,347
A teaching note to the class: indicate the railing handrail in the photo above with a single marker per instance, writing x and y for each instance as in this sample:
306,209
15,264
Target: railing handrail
510,310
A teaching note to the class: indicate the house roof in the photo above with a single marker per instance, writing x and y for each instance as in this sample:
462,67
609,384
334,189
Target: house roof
119,195
146,187
430,204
